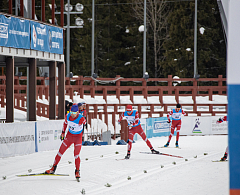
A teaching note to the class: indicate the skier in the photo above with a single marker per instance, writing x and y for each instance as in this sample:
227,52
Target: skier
134,125
83,112
176,123
75,121
220,120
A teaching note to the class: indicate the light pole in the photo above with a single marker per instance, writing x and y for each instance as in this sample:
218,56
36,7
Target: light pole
196,76
144,38
78,24
93,23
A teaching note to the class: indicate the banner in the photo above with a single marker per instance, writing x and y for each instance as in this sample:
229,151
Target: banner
198,125
221,128
157,127
14,32
48,135
46,38
17,139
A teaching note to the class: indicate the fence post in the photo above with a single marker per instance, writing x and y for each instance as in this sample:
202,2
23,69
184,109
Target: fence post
220,83
169,84
124,130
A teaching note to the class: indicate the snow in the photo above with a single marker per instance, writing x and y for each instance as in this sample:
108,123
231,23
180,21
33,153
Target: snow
196,176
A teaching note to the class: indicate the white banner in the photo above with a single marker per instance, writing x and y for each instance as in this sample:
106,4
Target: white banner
17,139
48,135
221,128
202,125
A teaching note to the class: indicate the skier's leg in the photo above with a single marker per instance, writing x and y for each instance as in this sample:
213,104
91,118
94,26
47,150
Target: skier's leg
172,132
64,146
144,137
77,149
178,130
130,140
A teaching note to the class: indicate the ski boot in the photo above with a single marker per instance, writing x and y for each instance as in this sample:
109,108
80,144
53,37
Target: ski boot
127,156
176,144
224,158
52,170
77,175
154,151
167,144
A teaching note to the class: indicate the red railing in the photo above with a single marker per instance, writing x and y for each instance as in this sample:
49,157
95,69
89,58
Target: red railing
118,86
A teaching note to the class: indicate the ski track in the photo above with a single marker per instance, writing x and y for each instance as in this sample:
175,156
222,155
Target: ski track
93,178
141,175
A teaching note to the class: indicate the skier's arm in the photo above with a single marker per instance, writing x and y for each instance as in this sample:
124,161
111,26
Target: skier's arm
168,115
136,119
184,113
65,124
82,121
119,120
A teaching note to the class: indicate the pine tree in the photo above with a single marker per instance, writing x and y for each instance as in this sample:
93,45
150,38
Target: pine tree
179,48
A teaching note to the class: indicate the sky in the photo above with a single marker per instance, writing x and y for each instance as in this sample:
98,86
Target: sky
151,174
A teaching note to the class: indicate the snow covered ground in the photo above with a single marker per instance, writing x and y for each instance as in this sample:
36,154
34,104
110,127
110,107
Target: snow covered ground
198,176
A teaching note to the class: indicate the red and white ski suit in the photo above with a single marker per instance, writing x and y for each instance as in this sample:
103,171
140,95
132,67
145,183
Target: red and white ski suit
134,127
176,122
74,136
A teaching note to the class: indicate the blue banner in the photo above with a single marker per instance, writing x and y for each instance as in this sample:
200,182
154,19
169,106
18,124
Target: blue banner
46,38
14,32
56,40
157,127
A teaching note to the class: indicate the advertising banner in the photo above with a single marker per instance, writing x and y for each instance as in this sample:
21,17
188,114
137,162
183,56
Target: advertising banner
48,135
157,127
198,125
221,128
46,38
14,32
17,139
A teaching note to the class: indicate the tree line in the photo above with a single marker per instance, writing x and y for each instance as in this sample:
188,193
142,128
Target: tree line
170,38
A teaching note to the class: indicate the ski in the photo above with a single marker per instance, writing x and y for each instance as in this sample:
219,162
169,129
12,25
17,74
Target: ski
40,174
162,154
121,159
219,161
169,147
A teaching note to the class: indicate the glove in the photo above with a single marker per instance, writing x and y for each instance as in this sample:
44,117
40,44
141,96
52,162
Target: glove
169,121
130,126
62,136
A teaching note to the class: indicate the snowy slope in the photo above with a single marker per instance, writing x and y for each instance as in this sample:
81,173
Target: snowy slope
198,176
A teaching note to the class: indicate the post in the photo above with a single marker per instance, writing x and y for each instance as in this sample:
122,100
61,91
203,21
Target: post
144,38
93,23
10,89
233,88
68,40
195,41
124,130
32,88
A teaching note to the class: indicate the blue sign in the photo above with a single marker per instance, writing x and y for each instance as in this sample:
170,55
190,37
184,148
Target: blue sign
46,38
14,32
157,127
55,40
39,36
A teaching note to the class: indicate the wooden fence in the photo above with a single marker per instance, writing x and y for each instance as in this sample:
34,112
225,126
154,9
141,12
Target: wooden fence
132,87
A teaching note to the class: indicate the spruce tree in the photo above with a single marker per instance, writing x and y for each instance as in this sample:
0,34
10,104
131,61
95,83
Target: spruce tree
179,48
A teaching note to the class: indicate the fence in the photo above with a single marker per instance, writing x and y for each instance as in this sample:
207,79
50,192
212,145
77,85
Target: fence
168,92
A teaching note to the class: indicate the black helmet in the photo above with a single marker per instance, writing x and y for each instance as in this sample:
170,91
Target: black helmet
178,106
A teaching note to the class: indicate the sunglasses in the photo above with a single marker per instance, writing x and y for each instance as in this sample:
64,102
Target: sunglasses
73,112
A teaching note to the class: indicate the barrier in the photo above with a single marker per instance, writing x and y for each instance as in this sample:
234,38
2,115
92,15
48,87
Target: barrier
29,137
17,139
